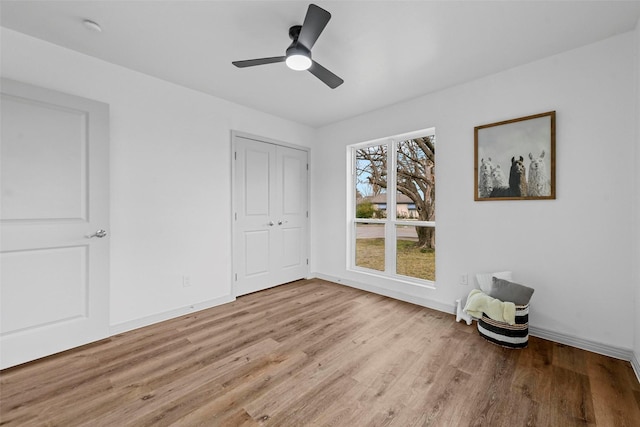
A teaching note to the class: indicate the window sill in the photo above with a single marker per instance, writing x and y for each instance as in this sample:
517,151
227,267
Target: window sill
419,283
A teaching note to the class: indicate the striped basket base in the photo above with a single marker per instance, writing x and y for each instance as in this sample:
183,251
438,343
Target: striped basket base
511,336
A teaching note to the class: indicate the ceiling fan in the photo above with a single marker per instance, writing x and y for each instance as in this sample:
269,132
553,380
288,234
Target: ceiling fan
298,54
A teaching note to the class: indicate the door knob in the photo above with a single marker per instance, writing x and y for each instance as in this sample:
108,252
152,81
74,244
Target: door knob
270,224
100,234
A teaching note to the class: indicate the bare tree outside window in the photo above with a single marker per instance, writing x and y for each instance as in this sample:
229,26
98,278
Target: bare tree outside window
371,169
416,180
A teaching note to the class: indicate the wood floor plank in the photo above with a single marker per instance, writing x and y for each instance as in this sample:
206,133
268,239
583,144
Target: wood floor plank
304,408
610,385
338,414
204,382
219,400
531,388
225,408
315,353
441,403
572,402
565,357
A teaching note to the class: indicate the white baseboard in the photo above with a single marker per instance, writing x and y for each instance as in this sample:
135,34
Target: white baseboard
119,328
595,347
436,305
592,346
635,364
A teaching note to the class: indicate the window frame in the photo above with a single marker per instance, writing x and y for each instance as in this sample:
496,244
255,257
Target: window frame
390,221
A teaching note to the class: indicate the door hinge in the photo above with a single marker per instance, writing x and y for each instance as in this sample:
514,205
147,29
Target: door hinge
236,215
307,261
307,166
235,155
236,277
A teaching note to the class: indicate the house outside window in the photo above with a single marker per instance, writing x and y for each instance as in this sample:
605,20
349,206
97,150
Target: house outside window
392,220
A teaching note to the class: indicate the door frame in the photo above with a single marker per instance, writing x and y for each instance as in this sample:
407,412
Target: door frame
264,140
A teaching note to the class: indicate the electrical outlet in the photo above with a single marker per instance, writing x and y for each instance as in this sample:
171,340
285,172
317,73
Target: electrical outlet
464,279
186,281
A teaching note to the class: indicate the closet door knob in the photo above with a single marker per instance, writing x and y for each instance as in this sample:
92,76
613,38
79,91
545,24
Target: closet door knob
99,234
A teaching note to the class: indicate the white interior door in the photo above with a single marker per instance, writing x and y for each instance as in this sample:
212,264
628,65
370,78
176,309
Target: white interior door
270,214
54,290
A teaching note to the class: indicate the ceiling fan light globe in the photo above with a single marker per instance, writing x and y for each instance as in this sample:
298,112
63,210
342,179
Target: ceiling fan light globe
298,62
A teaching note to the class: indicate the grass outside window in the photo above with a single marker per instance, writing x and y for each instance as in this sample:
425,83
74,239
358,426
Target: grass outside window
411,260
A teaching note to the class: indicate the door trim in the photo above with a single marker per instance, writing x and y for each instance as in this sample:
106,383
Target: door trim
264,140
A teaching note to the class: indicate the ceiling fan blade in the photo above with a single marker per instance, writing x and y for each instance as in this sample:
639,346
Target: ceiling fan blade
315,21
325,75
260,61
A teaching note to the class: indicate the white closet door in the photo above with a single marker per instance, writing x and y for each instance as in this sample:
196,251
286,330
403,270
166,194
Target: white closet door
54,174
270,215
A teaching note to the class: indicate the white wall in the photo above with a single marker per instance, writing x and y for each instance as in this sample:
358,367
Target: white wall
171,185
575,251
636,252
170,176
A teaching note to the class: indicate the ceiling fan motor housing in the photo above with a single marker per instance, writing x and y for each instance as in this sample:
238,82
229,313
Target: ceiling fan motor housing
294,32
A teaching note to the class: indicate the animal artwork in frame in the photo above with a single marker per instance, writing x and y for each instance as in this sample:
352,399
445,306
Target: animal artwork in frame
516,159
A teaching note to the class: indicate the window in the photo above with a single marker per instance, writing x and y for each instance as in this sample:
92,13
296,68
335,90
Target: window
393,210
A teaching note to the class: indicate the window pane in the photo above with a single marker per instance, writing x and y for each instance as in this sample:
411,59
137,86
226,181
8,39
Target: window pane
370,246
412,258
394,182
415,179
371,182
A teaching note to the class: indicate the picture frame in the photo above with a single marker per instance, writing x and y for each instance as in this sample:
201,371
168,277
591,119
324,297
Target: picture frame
516,159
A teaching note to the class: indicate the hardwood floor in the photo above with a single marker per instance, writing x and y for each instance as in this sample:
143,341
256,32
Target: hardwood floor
314,353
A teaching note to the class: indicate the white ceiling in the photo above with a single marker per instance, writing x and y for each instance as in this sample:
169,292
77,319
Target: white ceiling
386,51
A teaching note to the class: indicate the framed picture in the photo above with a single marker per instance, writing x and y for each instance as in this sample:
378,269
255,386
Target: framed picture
516,159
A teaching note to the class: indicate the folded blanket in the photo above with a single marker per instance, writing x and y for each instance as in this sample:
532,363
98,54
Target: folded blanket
478,302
